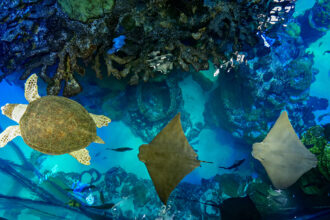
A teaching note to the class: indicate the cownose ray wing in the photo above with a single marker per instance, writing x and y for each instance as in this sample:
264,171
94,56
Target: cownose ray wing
283,155
168,158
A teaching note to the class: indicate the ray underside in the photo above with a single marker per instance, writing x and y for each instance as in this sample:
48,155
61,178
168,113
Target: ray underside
283,155
168,158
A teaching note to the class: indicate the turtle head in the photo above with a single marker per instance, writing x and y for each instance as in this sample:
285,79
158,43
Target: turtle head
14,111
8,109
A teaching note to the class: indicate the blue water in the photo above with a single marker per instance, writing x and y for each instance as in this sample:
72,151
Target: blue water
214,144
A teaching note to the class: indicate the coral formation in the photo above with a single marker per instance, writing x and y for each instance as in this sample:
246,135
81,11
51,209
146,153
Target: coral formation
315,22
250,97
293,29
316,181
315,137
159,36
84,10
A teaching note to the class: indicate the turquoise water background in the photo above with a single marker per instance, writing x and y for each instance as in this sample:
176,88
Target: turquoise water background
214,145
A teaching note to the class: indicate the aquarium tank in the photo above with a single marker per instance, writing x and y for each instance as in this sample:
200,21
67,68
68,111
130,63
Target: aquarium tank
164,109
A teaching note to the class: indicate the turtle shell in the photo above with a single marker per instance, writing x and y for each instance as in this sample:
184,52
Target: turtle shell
57,125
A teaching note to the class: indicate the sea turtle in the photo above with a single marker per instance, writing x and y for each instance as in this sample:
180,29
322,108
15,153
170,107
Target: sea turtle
53,124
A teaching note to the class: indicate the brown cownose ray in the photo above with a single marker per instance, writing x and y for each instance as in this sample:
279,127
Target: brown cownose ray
283,155
168,158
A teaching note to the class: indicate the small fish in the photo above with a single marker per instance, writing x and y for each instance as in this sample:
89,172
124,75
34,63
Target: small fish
104,206
90,199
325,52
268,42
120,149
118,43
320,44
80,187
97,154
234,166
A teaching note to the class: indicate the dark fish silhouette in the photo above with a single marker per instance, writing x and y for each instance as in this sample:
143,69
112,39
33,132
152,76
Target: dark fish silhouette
104,206
120,149
234,166
327,51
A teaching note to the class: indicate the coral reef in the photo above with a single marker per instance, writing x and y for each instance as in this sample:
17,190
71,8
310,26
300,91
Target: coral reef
117,194
316,181
315,22
159,36
269,201
84,10
248,99
315,137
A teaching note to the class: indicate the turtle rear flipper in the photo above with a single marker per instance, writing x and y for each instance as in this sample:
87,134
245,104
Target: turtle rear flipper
9,134
98,140
82,156
100,120
31,88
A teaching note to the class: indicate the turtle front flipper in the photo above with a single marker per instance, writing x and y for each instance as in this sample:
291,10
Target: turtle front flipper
31,88
82,156
100,120
9,134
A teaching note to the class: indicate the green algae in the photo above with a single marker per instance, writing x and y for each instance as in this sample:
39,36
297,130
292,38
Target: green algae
293,29
316,181
321,148
84,10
